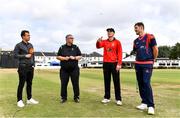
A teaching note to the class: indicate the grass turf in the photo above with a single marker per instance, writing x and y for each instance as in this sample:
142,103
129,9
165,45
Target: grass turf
46,87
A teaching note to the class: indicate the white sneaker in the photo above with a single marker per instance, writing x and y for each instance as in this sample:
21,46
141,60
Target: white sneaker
118,102
32,101
150,110
20,103
105,100
142,106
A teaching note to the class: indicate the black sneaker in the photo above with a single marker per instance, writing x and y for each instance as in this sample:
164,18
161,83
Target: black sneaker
76,100
63,100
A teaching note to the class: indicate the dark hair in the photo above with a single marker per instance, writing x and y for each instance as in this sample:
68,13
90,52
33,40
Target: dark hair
140,24
23,32
68,35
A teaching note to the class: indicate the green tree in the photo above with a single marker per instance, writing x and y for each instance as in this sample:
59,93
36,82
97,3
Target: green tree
164,51
175,51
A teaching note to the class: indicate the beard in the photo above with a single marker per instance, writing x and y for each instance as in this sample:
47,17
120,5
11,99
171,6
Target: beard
137,33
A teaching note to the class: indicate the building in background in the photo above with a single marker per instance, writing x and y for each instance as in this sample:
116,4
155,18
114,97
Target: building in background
93,59
167,63
47,60
7,59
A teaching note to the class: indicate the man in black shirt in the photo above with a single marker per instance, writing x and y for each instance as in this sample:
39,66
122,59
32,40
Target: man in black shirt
69,54
24,52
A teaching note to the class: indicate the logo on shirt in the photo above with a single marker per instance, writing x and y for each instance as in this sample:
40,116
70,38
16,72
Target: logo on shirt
109,49
142,47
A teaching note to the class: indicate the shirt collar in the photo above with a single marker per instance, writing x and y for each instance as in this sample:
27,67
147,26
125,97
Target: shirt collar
68,45
112,40
140,38
25,43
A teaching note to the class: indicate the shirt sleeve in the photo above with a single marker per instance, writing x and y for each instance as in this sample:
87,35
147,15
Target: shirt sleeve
33,55
119,53
16,53
134,47
59,51
78,52
153,42
100,44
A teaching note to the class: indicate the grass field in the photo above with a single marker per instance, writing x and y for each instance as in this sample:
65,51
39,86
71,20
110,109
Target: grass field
46,87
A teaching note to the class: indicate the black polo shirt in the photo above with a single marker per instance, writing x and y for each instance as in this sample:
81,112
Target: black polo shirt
66,50
21,50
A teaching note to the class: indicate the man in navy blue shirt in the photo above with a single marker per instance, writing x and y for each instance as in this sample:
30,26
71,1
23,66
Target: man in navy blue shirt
145,48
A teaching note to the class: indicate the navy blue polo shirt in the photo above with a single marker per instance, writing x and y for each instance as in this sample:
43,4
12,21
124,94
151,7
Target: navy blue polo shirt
143,47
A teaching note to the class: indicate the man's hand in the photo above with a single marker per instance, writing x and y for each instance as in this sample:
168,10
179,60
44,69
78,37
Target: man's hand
100,39
62,58
78,57
28,55
66,58
132,52
72,57
118,67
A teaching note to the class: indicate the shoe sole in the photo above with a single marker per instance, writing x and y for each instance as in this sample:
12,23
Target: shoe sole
151,113
104,102
32,103
20,106
141,109
119,104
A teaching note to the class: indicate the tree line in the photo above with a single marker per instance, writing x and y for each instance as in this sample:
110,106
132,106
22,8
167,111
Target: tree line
171,52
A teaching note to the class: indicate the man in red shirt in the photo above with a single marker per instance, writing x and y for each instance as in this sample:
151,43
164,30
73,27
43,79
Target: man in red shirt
112,61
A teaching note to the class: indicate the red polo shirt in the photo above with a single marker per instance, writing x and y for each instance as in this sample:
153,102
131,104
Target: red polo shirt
112,50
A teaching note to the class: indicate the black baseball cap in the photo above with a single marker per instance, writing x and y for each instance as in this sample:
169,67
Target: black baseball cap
110,30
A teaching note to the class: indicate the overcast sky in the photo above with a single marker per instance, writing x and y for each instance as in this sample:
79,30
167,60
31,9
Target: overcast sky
50,20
